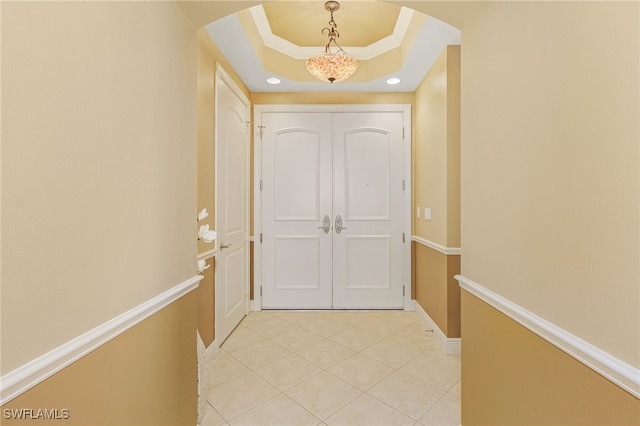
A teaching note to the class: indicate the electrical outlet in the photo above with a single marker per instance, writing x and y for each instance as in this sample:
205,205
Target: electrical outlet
427,213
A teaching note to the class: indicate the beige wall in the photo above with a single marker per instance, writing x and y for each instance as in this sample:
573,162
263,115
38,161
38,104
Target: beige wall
145,376
99,203
550,164
436,185
436,151
549,190
510,376
98,165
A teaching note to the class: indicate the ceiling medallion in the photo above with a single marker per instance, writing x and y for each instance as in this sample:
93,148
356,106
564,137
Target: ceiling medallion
332,66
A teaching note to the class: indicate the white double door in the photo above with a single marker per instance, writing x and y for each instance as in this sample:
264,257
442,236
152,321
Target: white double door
332,202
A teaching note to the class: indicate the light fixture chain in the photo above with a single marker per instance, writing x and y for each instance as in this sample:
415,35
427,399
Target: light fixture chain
331,66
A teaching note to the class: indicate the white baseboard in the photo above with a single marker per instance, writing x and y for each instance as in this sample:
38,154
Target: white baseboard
255,306
202,374
30,374
452,345
617,371
205,381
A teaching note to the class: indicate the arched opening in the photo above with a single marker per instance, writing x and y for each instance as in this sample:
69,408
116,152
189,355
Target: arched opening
435,102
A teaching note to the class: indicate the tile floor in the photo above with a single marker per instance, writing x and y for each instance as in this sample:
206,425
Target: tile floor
333,368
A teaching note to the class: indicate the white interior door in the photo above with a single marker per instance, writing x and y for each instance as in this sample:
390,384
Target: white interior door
338,166
297,195
232,178
368,198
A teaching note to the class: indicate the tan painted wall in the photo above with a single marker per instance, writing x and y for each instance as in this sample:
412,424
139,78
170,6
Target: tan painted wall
436,151
431,280
207,304
550,164
430,153
436,290
145,376
98,165
436,185
453,297
510,376
453,145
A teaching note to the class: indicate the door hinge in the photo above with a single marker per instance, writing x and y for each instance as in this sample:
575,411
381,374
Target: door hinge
402,291
404,183
403,238
260,184
261,238
260,291
403,133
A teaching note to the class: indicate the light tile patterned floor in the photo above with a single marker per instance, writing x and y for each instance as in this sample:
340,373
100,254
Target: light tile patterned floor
333,368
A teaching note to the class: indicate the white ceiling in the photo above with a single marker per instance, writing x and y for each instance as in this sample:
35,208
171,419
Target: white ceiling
229,35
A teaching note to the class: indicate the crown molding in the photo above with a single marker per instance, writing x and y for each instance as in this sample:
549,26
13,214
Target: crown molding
392,41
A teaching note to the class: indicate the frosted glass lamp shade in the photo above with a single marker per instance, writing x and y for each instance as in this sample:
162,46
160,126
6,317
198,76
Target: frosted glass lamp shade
331,66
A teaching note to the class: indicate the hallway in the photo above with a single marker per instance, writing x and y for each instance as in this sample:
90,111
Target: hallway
333,368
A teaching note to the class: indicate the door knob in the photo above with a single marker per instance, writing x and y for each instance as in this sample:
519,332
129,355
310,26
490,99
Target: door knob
338,225
224,246
326,224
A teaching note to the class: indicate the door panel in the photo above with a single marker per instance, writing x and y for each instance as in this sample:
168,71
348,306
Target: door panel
297,260
232,144
296,176
361,272
367,175
296,195
368,195
234,297
233,131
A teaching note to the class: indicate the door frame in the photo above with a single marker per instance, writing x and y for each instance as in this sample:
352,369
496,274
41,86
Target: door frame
405,109
221,76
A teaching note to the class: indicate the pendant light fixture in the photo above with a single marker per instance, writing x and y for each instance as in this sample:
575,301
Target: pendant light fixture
332,66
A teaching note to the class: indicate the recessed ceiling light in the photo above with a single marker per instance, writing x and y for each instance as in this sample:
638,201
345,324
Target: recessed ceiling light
393,80
273,80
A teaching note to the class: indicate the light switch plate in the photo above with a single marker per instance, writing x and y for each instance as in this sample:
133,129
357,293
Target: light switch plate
427,213
418,212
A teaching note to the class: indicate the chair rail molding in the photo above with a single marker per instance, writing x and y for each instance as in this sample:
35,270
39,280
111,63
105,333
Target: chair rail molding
449,251
34,372
605,364
207,254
